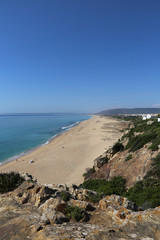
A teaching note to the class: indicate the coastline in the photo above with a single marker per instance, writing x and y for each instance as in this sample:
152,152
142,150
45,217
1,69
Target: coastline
26,152
65,158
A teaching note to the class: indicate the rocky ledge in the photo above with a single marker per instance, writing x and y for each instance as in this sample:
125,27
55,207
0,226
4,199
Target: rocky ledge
37,212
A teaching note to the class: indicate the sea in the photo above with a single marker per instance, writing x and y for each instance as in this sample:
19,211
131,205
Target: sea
22,133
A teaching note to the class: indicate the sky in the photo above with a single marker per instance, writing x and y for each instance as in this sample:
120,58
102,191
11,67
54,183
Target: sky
79,55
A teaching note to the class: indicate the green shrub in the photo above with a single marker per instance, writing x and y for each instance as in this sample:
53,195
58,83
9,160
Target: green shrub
154,147
139,141
75,213
145,193
150,133
114,186
88,173
129,157
10,181
155,171
65,196
94,198
117,147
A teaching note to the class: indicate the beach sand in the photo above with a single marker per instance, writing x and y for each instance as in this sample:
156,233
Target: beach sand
65,159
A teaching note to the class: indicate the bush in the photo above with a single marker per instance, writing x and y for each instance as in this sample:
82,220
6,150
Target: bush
10,181
155,171
154,147
128,158
75,213
117,147
65,196
88,173
150,133
105,159
145,193
94,198
139,141
114,186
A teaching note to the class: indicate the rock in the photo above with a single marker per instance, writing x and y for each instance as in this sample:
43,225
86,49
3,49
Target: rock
116,202
25,198
114,218
61,218
35,212
49,215
39,228
82,204
100,161
43,194
54,204
28,177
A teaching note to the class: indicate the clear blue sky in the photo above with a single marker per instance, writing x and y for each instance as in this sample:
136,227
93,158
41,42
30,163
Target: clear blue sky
79,55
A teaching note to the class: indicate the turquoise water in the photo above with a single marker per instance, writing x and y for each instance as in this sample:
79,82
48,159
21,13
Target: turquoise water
20,133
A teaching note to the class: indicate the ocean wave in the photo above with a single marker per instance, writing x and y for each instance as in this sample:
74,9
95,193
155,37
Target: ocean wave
46,143
54,136
70,126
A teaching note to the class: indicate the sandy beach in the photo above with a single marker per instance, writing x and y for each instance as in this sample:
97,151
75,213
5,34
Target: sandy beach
65,159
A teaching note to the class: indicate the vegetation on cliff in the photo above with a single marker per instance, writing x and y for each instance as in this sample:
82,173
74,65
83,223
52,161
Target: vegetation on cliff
145,193
117,147
143,132
115,186
75,212
10,181
65,196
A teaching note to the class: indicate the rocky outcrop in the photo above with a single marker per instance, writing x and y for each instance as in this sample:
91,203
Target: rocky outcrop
38,212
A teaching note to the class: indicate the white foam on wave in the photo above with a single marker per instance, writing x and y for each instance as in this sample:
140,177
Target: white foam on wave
46,143
54,136
70,126
64,127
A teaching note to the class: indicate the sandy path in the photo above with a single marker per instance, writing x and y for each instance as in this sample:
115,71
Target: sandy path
65,159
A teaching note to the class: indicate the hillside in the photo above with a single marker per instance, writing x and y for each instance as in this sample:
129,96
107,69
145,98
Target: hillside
112,112
136,158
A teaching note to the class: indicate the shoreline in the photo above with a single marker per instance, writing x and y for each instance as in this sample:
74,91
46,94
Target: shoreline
66,157
26,152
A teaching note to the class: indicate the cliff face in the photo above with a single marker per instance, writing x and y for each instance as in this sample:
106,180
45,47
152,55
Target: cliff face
132,170
39,212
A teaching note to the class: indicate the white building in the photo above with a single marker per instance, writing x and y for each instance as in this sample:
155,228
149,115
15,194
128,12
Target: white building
158,119
148,116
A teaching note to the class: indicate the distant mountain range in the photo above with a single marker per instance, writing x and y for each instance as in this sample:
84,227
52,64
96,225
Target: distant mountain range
122,111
